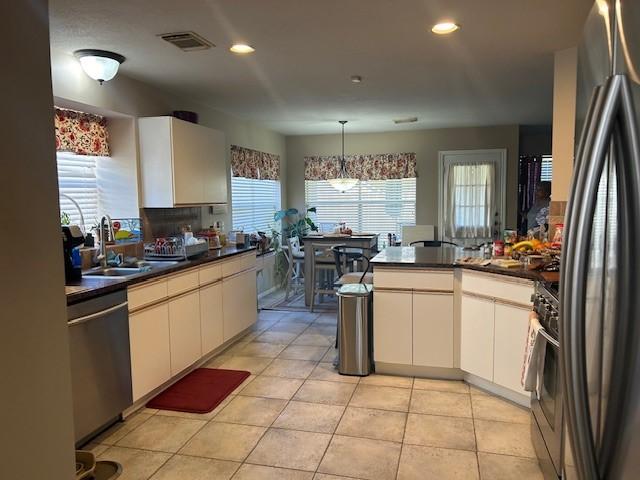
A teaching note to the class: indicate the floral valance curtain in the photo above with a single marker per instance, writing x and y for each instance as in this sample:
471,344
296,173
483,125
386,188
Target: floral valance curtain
249,163
81,133
380,166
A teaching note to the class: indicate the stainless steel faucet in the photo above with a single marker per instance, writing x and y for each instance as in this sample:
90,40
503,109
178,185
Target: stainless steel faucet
103,241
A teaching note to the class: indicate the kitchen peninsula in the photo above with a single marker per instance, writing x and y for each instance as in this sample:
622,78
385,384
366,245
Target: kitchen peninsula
436,318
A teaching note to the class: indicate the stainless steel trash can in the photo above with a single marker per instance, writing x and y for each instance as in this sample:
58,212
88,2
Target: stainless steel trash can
355,318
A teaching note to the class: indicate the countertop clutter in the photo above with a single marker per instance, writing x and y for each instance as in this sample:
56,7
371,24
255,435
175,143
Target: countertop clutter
93,286
444,257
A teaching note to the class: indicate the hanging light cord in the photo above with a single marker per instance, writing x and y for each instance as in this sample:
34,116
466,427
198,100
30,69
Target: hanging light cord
343,169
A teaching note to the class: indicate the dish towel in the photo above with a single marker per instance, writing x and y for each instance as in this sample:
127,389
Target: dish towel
535,343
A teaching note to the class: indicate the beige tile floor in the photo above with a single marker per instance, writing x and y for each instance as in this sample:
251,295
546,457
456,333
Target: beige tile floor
295,418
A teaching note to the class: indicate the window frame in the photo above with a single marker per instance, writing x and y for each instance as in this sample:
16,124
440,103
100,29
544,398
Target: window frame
501,180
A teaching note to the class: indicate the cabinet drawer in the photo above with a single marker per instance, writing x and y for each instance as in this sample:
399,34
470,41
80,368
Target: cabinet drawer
210,274
510,290
242,262
182,282
414,279
146,294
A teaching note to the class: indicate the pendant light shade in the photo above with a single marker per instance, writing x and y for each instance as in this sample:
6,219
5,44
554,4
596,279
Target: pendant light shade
99,64
343,182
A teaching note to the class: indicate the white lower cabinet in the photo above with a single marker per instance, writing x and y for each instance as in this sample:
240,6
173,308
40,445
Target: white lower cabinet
174,322
239,305
211,317
150,354
433,329
184,331
511,327
476,336
392,327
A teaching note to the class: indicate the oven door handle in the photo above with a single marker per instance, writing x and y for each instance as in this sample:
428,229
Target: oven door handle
543,333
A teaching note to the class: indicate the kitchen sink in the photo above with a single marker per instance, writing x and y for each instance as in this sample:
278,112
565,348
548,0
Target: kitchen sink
115,271
145,266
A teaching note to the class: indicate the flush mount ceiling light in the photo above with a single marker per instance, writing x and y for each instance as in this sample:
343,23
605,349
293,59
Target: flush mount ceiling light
342,182
398,121
242,48
99,64
356,79
444,28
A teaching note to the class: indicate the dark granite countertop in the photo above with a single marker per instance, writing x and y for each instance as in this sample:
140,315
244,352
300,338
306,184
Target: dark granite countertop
443,257
93,286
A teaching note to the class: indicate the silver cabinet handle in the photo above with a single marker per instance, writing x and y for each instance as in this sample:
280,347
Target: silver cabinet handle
99,314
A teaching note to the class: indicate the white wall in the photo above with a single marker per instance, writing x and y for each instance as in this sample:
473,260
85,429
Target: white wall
564,118
425,143
123,95
36,409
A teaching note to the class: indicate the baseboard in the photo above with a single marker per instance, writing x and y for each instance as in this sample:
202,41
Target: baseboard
418,371
268,292
503,392
452,374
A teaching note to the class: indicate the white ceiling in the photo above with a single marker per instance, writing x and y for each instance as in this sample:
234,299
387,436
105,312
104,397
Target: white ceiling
498,69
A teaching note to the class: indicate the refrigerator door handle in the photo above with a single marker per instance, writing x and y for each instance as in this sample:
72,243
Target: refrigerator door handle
590,164
573,209
627,148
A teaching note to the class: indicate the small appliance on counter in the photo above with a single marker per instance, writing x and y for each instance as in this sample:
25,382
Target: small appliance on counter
211,236
72,238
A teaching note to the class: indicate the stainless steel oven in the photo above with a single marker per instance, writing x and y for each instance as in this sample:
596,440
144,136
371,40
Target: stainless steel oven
546,400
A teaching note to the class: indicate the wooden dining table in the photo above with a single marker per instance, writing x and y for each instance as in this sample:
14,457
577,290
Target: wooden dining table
368,241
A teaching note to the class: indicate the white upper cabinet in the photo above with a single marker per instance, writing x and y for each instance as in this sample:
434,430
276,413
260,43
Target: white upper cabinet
181,163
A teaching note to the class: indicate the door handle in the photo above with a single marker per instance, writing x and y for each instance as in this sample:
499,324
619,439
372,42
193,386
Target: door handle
627,304
101,313
572,281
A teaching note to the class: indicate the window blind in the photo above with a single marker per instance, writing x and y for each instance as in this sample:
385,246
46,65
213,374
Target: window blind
546,169
77,179
372,206
253,203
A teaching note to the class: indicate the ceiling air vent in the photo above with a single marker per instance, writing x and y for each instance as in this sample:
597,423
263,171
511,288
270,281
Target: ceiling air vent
187,41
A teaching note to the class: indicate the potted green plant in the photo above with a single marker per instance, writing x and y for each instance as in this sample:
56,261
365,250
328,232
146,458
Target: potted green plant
293,223
296,223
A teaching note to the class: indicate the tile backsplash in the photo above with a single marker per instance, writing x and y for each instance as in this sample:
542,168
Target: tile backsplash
165,222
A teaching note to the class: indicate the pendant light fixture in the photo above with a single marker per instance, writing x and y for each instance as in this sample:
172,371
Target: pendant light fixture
342,182
99,64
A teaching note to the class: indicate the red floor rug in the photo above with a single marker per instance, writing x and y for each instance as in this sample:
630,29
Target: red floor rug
199,392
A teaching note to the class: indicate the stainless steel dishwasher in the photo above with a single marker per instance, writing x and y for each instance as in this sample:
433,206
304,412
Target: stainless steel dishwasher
100,362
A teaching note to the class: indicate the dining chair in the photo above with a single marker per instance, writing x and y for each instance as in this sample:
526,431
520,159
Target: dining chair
433,243
294,254
346,257
323,271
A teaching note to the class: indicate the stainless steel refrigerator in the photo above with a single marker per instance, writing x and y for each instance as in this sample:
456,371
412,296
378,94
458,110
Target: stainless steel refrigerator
600,273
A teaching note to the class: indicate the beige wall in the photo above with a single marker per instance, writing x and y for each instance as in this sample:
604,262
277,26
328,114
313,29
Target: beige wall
425,143
36,408
564,115
124,95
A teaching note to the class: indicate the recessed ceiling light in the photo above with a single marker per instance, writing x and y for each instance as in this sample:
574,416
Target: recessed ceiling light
356,79
242,48
445,28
